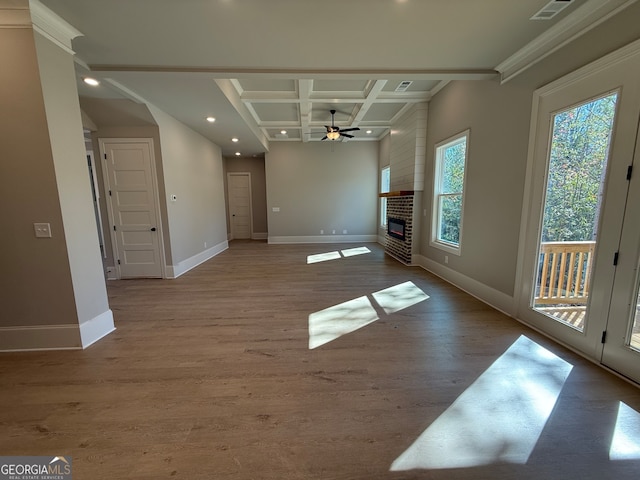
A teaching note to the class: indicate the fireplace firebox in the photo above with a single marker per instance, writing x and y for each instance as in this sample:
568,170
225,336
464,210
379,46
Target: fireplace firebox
396,228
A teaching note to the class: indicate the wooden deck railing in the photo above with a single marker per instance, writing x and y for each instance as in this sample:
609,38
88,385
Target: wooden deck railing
564,273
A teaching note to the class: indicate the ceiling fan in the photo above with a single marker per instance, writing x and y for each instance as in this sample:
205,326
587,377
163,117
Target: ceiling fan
334,133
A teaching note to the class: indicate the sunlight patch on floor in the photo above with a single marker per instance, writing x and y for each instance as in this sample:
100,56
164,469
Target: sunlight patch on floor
399,297
333,322
350,252
499,418
625,444
324,257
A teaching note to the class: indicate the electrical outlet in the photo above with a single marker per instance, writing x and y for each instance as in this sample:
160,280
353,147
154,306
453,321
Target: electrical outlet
333,232
344,232
42,230
321,232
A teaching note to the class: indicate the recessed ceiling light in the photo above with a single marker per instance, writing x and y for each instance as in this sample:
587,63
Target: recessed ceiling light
283,132
211,119
368,132
91,81
237,154
234,139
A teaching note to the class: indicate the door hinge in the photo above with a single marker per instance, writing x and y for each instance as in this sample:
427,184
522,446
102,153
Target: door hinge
615,258
114,228
119,264
602,340
629,170
109,192
105,156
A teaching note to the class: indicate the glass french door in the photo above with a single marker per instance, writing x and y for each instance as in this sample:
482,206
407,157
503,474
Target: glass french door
575,180
578,273
621,349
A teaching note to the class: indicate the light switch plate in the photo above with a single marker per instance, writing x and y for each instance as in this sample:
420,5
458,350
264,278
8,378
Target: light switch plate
43,230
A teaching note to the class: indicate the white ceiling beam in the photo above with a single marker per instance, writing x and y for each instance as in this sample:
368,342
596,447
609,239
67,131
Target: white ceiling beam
230,91
305,87
372,97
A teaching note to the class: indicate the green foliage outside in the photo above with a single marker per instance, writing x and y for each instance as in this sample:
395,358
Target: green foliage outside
577,165
451,192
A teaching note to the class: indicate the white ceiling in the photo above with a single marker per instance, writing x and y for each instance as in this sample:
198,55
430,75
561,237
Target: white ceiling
263,66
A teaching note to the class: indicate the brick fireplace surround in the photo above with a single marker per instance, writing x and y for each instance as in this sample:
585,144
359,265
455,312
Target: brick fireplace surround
400,205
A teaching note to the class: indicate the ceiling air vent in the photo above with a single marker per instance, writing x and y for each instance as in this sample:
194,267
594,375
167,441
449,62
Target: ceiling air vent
551,9
402,86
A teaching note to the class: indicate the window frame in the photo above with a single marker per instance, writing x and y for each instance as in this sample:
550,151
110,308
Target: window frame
383,200
436,220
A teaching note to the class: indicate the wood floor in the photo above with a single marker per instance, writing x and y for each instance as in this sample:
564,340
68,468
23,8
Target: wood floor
210,376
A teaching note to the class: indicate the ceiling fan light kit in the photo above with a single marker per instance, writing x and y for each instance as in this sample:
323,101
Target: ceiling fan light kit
334,133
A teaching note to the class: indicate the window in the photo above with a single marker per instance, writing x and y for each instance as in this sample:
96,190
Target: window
385,185
448,193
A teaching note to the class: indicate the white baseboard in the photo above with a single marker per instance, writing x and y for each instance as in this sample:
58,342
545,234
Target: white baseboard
260,236
324,239
492,297
174,271
40,337
93,330
56,337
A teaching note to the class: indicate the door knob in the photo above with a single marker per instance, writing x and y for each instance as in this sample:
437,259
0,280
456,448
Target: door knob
153,229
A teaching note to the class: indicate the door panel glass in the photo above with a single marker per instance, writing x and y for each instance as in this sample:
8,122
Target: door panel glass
577,166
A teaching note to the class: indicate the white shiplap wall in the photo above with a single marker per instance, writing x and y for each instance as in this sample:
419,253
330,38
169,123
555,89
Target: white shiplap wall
408,148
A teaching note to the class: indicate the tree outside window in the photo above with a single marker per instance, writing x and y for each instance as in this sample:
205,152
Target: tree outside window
385,185
448,194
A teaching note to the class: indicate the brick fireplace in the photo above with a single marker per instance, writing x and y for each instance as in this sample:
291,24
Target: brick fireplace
400,207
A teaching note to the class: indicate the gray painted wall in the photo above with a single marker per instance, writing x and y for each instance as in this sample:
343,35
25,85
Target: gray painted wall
193,172
498,117
29,193
322,186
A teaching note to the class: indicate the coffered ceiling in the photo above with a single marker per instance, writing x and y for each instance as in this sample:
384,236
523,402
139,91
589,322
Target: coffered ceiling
264,67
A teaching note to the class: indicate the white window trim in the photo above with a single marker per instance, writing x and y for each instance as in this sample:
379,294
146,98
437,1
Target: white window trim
383,200
435,217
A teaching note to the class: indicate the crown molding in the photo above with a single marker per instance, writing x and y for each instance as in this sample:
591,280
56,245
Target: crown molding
586,17
52,27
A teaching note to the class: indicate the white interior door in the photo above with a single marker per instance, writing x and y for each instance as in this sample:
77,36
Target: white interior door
240,205
132,200
614,77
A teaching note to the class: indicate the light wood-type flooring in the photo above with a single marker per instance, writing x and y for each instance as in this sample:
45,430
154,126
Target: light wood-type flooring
210,376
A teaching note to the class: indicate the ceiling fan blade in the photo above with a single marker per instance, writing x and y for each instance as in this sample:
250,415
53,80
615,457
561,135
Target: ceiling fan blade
324,138
349,129
346,135
328,128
